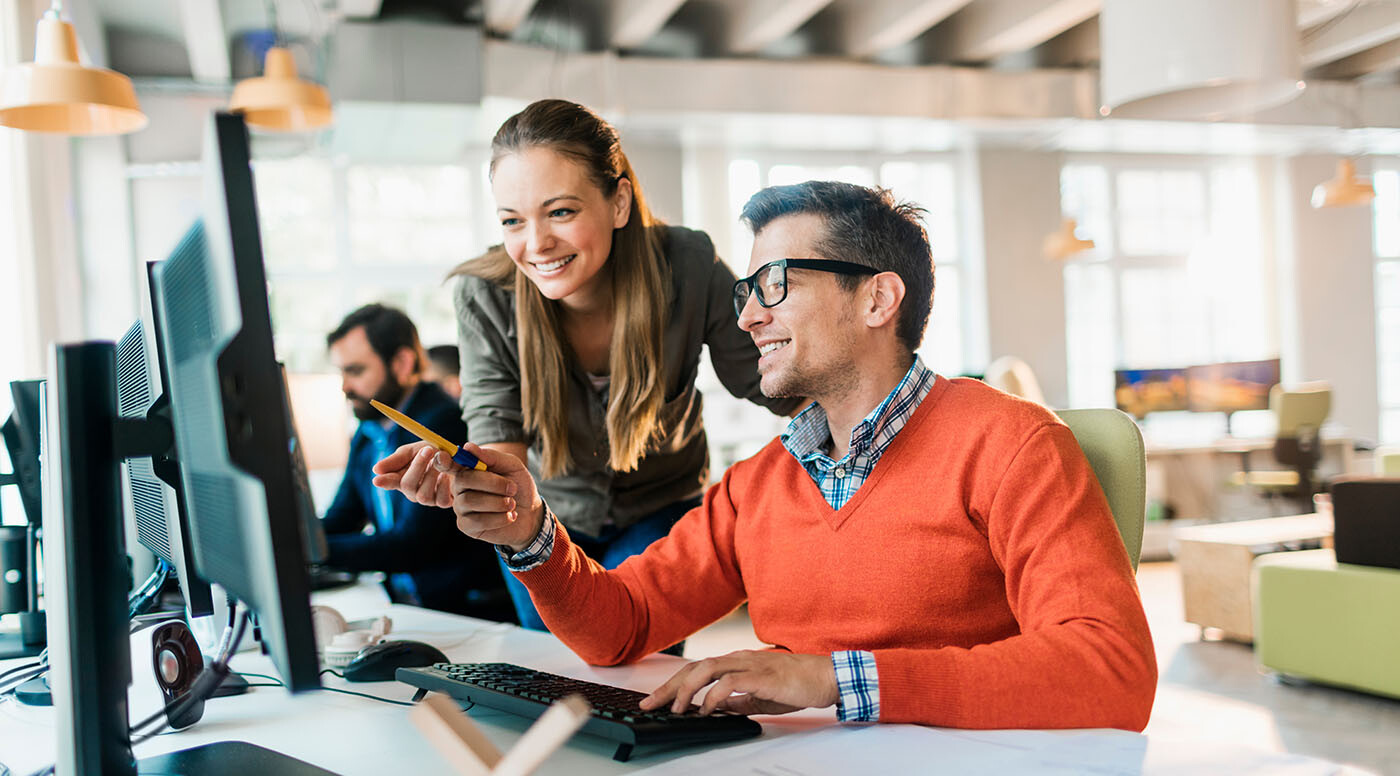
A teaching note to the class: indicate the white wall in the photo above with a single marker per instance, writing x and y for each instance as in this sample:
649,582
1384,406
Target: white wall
1020,202
1327,281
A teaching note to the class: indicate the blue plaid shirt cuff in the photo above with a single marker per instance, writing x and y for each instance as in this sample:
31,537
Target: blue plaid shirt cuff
858,686
537,552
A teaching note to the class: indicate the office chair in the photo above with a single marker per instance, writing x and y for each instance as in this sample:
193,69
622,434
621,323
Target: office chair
1297,443
1014,376
1113,444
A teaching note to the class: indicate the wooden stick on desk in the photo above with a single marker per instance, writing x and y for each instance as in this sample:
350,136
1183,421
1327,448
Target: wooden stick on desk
550,731
471,754
455,736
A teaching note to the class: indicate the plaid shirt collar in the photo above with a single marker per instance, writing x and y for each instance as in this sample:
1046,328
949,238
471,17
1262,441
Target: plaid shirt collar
807,434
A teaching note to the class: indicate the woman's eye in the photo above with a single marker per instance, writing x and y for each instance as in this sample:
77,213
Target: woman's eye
509,221
560,212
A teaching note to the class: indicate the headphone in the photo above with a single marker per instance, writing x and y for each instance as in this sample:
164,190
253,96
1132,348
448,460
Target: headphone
339,641
176,658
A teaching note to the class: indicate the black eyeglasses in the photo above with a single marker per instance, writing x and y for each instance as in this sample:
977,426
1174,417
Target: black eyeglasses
770,281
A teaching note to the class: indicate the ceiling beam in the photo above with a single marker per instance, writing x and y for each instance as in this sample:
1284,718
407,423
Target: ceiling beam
1314,12
1381,59
1365,26
879,25
206,41
988,29
755,24
503,16
1076,47
635,21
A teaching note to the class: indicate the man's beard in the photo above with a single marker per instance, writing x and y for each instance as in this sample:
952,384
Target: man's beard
390,393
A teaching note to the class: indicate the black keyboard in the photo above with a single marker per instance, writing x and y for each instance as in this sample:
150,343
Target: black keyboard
615,713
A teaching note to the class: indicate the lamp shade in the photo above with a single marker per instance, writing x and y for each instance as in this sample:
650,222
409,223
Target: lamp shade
55,93
1063,243
1345,189
1197,59
280,101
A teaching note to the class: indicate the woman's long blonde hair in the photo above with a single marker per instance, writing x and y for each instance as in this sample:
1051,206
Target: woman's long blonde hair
639,279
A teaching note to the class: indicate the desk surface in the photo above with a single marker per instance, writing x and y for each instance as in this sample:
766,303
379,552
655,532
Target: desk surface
1269,530
352,735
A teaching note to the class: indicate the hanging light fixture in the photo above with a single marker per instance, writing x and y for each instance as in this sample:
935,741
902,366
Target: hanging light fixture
56,93
1344,189
1063,243
280,101
1197,59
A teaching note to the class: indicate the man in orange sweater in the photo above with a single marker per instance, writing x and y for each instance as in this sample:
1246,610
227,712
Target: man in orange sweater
917,549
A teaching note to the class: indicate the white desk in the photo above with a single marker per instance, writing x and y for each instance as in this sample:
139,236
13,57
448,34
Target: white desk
353,736
1193,477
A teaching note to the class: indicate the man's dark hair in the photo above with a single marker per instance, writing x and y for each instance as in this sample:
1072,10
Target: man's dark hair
388,329
863,226
445,357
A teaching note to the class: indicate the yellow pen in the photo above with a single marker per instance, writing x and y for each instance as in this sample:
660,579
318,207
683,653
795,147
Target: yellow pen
460,455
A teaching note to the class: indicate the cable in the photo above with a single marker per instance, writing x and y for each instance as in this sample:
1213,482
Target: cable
142,599
25,667
33,674
367,695
339,675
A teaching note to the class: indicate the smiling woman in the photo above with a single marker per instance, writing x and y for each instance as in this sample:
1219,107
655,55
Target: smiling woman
580,341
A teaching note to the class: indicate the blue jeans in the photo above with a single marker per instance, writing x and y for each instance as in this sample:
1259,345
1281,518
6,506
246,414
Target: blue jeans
610,550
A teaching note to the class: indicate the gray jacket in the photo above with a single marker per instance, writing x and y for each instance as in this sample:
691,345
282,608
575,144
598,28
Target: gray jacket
591,496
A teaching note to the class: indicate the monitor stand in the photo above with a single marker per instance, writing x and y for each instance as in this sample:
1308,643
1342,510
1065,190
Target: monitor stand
228,758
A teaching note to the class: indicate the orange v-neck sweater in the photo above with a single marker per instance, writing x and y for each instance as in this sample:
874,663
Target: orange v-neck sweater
979,563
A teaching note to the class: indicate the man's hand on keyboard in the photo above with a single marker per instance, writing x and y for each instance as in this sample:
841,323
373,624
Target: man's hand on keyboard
750,682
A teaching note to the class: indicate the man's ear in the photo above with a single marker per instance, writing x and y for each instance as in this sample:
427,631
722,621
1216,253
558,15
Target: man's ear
404,365
622,203
884,294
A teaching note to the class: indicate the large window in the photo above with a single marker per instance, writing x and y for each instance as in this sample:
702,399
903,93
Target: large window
11,320
1177,276
1387,246
340,235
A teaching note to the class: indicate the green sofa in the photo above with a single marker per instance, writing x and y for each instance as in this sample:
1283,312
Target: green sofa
1329,622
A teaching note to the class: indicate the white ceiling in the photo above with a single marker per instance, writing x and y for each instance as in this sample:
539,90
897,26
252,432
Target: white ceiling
1340,39
861,64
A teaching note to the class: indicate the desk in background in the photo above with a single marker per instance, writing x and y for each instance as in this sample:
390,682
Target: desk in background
1194,478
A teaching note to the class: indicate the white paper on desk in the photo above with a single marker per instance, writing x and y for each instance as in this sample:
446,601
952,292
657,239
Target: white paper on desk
881,749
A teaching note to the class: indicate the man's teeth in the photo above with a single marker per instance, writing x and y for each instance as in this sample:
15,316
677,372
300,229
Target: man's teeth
772,346
553,265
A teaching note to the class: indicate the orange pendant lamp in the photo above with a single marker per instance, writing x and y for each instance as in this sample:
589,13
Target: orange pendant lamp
56,93
1064,243
279,101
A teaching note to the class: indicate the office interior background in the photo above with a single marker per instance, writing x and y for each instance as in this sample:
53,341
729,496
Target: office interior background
1206,248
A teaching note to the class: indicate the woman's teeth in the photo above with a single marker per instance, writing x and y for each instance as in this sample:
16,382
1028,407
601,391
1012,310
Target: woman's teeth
555,265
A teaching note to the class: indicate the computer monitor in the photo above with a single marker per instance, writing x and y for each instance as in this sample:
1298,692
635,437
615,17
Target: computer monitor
229,425
313,533
1140,391
1231,387
154,501
21,433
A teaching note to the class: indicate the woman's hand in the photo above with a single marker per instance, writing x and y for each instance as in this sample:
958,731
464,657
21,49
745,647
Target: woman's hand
410,471
500,505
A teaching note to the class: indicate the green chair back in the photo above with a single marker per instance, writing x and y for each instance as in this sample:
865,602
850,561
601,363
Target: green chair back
1113,444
